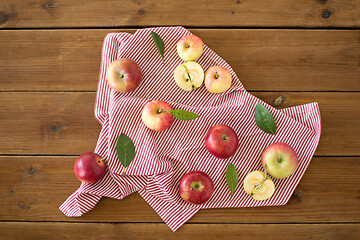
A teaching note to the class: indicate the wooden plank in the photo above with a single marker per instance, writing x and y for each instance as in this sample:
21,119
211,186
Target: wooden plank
48,123
33,230
64,123
265,60
32,189
211,13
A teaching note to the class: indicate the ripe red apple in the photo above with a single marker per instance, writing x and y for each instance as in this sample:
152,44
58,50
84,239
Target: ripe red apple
155,115
217,79
89,167
196,187
190,47
221,141
123,75
280,160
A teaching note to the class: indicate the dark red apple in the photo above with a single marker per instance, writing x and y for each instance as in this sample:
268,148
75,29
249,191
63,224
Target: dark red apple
89,167
196,187
221,141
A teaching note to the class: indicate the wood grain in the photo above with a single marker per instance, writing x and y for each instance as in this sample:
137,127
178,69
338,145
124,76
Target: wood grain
210,13
64,123
264,60
19,230
32,188
48,123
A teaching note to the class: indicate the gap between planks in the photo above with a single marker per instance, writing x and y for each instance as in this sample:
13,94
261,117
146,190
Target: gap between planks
189,223
185,26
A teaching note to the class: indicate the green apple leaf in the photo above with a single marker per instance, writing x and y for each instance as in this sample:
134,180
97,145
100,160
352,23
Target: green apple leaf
125,150
159,43
264,119
232,177
183,115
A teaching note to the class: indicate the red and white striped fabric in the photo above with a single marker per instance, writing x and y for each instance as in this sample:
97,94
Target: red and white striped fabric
162,158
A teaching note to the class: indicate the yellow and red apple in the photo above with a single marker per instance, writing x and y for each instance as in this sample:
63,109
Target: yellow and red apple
190,47
217,79
189,75
123,75
155,115
279,160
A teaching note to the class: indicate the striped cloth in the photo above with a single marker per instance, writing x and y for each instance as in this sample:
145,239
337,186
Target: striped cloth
162,158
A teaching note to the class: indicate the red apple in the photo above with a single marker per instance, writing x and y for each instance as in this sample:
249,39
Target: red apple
123,75
217,79
155,115
221,141
280,160
196,187
89,167
190,47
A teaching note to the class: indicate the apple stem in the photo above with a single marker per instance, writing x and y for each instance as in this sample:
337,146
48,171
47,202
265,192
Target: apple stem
216,75
123,174
187,45
99,161
265,166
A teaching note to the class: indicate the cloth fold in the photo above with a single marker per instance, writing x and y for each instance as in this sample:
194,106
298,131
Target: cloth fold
162,158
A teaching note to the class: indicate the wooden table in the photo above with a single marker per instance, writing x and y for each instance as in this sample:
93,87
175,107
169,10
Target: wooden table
293,51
